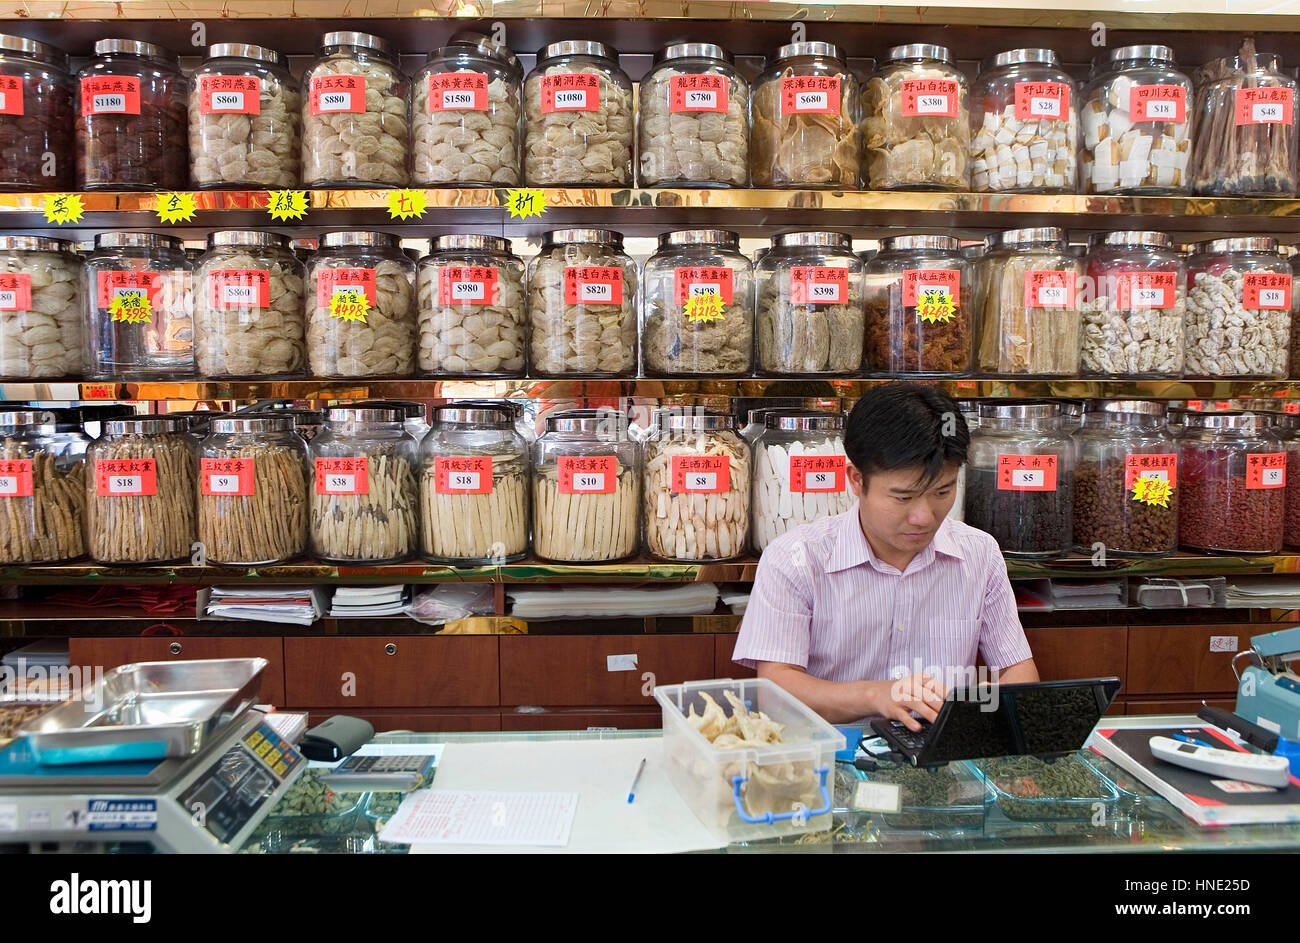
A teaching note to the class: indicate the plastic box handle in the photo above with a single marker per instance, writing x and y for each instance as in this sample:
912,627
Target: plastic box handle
768,818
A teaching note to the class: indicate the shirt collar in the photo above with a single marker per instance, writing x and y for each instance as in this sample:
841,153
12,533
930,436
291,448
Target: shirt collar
852,548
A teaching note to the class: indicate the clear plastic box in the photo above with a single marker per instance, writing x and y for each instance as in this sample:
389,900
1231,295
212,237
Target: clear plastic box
751,793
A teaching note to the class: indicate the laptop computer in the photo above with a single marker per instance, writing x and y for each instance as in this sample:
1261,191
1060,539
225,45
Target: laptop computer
1041,718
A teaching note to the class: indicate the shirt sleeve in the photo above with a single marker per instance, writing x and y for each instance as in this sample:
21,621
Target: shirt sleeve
778,617
1002,637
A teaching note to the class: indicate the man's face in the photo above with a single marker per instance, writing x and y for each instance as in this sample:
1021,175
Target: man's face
900,512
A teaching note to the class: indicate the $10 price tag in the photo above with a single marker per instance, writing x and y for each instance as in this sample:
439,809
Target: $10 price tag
587,474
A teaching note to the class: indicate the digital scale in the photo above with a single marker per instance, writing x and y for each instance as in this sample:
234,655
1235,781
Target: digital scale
1268,693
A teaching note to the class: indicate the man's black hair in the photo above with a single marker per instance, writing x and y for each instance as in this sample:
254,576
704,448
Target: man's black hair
906,425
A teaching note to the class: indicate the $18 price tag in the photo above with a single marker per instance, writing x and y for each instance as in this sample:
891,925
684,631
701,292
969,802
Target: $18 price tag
125,478
463,475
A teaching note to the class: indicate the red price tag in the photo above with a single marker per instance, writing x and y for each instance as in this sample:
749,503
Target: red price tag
1046,289
125,478
702,280
11,95
1266,291
330,280
1265,106
1162,465
230,95
239,288
576,91
930,98
1222,405
1266,471
1026,472
810,95
99,391
338,94
16,478
1196,404
1146,290
110,95
108,285
458,91
812,474
1158,103
915,281
344,475
700,474
467,285
819,285
1042,100
588,474
1292,408
15,291
468,474
227,477
698,93
593,285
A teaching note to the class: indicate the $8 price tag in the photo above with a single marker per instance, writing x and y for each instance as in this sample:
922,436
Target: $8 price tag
701,474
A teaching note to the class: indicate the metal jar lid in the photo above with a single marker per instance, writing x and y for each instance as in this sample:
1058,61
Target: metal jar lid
1018,56
247,237
470,41
836,240
700,237
804,421
794,50
367,412
692,51
470,241
1135,237
138,240
592,421
1019,411
133,47
512,406
245,51
33,49
35,244
899,243
923,51
26,418
353,237
147,425
600,237
409,409
243,424
577,47
1163,53
1023,237
672,420
362,40
1237,244
496,415
1143,407
1225,421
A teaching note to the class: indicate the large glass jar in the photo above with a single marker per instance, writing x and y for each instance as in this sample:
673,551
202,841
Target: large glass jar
40,308
37,150
1246,132
1137,123
361,307
1286,429
804,120
586,488
580,123
131,131
1134,306
354,123
1232,474
140,491
472,314
917,292
693,121
1126,482
809,308
1238,309
686,333
1293,368
1025,125
697,486
1020,479
799,472
916,122
42,490
363,493
249,307
252,491
245,113
473,486
582,298
1030,320
467,117
140,308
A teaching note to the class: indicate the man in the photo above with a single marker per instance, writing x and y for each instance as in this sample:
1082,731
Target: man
858,614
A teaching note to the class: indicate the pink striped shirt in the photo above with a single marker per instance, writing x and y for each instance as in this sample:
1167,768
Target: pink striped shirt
823,601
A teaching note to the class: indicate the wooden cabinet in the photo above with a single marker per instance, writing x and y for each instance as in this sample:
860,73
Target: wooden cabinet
399,671
1177,659
1080,652
415,721
619,718
1177,705
599,670
112,652
723,666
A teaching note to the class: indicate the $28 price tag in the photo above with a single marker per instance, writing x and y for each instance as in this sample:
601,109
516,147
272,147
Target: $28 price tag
343,475
587,474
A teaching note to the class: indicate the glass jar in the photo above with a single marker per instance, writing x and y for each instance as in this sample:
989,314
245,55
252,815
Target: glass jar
799,472
1026,127
245,116
804,120
809,309
362,321
363,493
140,308
1126,482
578,104
697,481
693,121
1134,307
582,295
1232,474
916,122
1020,479
1030,320
42,490
467,119
472,318
1238,309
685,337
140,491
40,308
131,131
1136,123
1285,427
919,315
1293,359
354,123
252,491
1245,127
37,149
586,488
248,307
473,486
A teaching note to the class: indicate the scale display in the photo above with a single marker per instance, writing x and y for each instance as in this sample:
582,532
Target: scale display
225,796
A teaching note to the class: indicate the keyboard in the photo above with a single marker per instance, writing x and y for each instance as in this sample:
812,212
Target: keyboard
907,738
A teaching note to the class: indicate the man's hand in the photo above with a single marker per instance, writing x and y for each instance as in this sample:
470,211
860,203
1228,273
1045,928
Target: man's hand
897,700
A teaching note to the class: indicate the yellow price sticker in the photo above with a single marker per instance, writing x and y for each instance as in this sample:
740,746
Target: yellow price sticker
349,304
407,204
1152,491
525,203
63,208
286,204
935,305
132,307
704,307
176,207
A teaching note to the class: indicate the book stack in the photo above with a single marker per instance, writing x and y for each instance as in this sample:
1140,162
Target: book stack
355,601
295,605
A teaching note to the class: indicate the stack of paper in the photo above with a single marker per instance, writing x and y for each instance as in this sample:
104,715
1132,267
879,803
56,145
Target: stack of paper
350,601
1089,594
296,605
611,602
1262,592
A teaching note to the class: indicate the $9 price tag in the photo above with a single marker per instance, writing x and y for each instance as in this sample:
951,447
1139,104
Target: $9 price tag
227,476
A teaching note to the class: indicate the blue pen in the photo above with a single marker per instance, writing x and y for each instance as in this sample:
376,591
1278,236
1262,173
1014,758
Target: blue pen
631,793
1199,743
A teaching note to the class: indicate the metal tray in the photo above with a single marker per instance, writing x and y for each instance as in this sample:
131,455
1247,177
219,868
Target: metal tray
145,711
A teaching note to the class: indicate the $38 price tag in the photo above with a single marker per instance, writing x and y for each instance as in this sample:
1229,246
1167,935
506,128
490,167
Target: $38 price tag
345,475
231,477
587,474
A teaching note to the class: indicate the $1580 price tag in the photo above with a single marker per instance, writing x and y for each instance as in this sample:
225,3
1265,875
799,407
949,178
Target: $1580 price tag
587,474
345,475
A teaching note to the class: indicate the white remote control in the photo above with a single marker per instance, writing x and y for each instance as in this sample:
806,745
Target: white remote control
1229,764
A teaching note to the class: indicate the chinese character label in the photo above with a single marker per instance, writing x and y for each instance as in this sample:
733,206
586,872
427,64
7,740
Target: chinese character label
110,95
330,281
929,98
1266,291
1267,470
407,204
700,474
63,208
468,474
1146,290
125,478
230,95
577,91
819,285
698,93
286,204
705,308
1158,103
468,285
810,95
343,475
693,281
1044,289
239,288
176,207
338,94
227,476
11,95
16,478
593,285
1042,100
458,91
1026,472
587,474
524,203
111,285
15,291
1265,106
1161,465
933,292
813,474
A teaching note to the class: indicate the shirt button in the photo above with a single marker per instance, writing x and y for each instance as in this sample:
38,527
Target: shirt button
898,628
